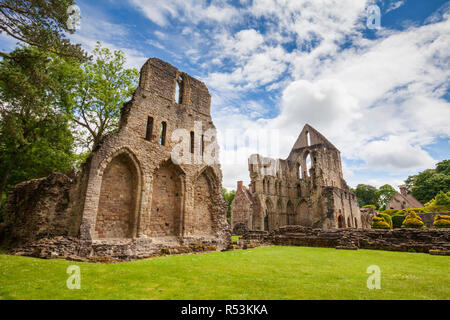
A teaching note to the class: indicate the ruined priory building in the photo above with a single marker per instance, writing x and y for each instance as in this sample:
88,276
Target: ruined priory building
135,192
306,189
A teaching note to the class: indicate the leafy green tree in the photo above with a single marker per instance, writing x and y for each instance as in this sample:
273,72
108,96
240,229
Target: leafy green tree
35,138
425,185
101,88
441,199
42,24
229,196
385,193
366,195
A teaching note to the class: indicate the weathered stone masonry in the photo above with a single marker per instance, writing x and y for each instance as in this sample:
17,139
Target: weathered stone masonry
131,191
305,189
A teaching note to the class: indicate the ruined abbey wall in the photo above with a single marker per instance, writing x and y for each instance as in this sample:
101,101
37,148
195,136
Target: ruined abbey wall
152,180
305,189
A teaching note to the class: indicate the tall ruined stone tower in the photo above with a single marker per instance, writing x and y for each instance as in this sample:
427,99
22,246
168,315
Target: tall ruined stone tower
155,183
136,187
305,189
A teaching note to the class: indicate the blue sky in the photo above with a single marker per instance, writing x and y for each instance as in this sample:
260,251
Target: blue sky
380,95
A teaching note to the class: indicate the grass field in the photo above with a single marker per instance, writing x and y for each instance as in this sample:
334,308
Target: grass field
261,273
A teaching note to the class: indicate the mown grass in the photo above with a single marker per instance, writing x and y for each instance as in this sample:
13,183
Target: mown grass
261,273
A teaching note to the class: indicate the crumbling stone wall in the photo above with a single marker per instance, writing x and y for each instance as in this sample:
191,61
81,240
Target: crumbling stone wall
415,240
305,189
173,200
40,208
135,185
241,209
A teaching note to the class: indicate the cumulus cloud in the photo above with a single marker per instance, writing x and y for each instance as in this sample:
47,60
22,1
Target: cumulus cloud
278,64
396,153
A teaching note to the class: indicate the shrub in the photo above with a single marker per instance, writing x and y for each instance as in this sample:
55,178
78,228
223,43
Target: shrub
397,220
435,208
412,220
391,212
370,206
409,210
379,223
386,218
441,221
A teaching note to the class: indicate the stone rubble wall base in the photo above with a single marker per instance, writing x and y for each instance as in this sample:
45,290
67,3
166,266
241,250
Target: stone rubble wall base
113,250
433,241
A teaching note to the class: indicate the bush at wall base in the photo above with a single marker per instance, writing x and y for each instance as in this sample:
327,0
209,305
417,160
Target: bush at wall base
441,221
412,220
397,220
379,223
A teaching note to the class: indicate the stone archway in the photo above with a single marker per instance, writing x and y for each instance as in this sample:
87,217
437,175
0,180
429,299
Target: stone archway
167,201
341,222
118,201
268,216
303,214
290,214
200,222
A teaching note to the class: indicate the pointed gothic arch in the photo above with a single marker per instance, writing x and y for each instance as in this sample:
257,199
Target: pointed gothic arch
167,200
119,199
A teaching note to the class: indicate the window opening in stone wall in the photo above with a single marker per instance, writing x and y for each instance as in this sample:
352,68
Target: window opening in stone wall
308,164
300,172
308,138
192,142
202,145
179,90
149,132
162,135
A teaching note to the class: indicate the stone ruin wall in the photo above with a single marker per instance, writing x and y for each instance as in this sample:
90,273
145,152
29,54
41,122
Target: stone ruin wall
433,241
241,208
285,192
130,187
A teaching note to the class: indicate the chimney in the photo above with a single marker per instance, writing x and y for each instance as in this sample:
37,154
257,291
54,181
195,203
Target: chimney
239,185
403,190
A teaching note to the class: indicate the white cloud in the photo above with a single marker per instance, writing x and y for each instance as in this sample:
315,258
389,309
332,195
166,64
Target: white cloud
185,10
377,99
396,153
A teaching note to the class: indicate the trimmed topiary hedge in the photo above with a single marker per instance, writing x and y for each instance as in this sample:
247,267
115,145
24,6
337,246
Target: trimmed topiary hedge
412,220
386,218
441,221
379,223
397,220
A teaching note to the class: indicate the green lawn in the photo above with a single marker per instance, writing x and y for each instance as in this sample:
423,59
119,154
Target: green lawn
261,273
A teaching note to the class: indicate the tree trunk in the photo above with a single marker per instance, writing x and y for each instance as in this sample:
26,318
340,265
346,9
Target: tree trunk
3,181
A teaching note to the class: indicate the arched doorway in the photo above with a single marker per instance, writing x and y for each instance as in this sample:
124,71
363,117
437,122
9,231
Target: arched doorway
201,222
167,200
118,199
341,222
303,214
268,215
290,213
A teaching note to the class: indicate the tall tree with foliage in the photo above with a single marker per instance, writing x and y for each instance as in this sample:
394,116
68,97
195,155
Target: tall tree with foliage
366,195
41,23
385,193
35,138
425,185
102,87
